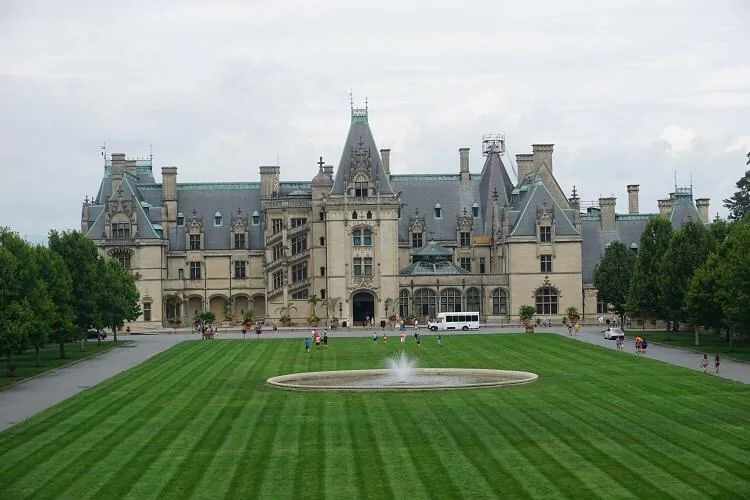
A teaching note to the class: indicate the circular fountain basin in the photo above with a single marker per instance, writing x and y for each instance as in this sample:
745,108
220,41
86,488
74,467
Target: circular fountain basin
420,379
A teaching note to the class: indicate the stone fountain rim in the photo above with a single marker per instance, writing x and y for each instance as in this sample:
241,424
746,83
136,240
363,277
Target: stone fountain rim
287,381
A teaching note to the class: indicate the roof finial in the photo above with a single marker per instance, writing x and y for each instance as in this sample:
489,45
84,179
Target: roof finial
464,211
321,163
351,100
239,211
495,194
574,194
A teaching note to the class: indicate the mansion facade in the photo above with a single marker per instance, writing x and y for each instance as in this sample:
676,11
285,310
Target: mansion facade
365,242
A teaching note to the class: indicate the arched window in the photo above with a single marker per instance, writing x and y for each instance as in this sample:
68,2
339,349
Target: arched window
424,303
472,300
256,218
403,303
450,300
369,214
218,219
354,214
438,211
499,301
546,300
180,219
356,237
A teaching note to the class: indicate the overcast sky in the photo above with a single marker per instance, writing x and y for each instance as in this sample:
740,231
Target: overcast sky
628,91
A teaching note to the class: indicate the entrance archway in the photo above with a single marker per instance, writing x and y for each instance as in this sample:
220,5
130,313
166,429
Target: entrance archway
363,305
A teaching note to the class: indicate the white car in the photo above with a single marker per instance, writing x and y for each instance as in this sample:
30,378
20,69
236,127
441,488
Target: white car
614,334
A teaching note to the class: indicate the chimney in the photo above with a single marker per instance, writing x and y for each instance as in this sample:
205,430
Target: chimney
607,213
463,154
85,216
633,198
169,194
702,205
525,164
665,207
130,166
575,204
268,176
328,170
116,170
385,156
543,154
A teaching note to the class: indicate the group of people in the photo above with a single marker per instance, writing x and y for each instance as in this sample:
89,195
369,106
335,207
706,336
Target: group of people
641,344
704,363
573,328
402,337
317,339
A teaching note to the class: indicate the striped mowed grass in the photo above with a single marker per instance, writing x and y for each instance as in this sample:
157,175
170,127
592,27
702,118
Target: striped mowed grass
198,421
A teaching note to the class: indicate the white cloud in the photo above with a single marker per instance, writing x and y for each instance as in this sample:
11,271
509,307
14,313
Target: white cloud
740,144
680,139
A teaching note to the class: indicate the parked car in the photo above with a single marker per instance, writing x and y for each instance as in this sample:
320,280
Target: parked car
96,334
614,333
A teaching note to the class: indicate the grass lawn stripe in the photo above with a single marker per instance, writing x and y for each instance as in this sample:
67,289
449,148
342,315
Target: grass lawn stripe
60,416
309,473
704,462
371,472
192,450
638,439
339,457
239,409
60,440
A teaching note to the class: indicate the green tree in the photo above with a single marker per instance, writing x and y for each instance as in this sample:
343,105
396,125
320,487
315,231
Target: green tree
313,300
643,296
702,304
739,203
613,274
57,320
687,251
734,278
80,257
118,299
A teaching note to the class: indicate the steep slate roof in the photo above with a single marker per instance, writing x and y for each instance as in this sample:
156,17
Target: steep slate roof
360,138
494,176
683,209
533,196
130,191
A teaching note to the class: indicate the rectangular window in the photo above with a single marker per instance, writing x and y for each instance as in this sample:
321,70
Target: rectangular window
357,266
278,279
239,269
322,241
124,260
195,270
276,225
321,216
180,220
356,237
416,240
147,311
465,263
545,234
195,242
368,237
239,241
299,272
278,251
301,295
121,230
475,211
256,219
322,270
545,263
601,307
465,239
298,221
368,266
481,265
181,274
360,189
438,212
299,244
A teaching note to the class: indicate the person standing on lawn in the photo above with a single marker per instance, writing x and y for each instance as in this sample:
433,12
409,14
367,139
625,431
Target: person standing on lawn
717,362
704,363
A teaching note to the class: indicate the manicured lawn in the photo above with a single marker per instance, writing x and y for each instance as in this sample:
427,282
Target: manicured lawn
710,344
50,359
197,421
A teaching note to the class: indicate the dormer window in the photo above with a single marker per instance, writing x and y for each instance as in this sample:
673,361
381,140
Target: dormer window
545,234
218,219
438,211
256,218
360,189
475,210
180,219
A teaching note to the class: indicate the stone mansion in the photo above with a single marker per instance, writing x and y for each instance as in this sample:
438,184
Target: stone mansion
366,242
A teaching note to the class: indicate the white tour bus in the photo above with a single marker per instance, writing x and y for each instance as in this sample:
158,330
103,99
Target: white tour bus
455,321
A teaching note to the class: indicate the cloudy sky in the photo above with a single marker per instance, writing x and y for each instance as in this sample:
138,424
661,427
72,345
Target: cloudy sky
628,91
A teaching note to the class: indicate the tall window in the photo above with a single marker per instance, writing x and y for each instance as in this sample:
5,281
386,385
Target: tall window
298,221
369,214
368,237
147,311
121,230
299,272
321,216
368,266
323,294
195,242
299,244
180,219
239,241
546,300
218,219
354,214
475,210
256,218
424,302
465,263
360,189
195,270
450,300
276,225
123,258
278,279
545,263
465,239
499,301
356,237
322,270
438,211
472,300
545,234
357,266
403,303
239,269
322,241
481,265
416,240
278,251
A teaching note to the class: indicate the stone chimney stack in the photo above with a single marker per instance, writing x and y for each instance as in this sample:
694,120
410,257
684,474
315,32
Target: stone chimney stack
463,154
85,216
268,176
575,204
385,157
607,213
130,167
116,170
169,195
543,154
525,164
633,198
702,205
665,206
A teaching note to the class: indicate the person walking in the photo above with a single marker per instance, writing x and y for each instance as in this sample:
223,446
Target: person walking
704,363
307,344
439,340
717,362
375,336
325,339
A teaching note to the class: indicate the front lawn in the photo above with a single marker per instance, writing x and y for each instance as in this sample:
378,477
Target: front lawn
198,421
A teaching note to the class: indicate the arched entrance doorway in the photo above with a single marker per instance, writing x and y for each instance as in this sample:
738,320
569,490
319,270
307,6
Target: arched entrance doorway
363,305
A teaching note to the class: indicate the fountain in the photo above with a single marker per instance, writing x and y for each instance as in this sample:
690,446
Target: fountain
402,375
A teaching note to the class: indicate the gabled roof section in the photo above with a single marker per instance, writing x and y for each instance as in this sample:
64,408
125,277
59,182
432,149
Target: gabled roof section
683,208
360,150
537,196
493,179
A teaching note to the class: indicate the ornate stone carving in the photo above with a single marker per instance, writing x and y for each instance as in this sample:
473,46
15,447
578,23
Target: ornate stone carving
417,223
239,222
362,281
464,222
545,216
195,223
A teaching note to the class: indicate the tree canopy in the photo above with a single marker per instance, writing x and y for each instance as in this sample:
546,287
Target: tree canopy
644,294
739,203
613,274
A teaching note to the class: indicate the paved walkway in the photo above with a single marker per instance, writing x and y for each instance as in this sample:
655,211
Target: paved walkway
23,400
